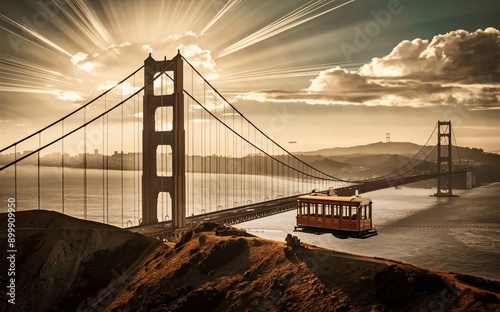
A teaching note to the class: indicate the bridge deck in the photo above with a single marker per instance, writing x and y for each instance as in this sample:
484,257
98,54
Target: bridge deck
387,183
163,230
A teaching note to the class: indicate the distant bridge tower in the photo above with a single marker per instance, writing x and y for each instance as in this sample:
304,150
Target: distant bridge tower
152,184
444,162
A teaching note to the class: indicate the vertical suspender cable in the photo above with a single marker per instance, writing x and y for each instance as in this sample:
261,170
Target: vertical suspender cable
217,164
233,162
134,150
85,164
103,166
139,161
166,149
107,160
62,165
122,153
226,157
272,173
288,175
262,159
202,149
167,118
38,155
209,141
162,138
256,165
192,125
242,166
15,172
266,172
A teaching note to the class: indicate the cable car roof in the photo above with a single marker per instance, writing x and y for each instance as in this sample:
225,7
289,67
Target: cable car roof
324,197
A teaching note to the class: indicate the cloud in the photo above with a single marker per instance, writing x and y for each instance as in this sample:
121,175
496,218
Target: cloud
102,69
201,59
124,89
80,60
189,46
79,57
188,38
459,56
338,78
459,67
89,64
70,96
107,85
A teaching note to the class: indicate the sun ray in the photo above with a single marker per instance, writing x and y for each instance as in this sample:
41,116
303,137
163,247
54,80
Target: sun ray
21,88
295,18
48,43
194,15
21,76
289,72
87,23
230,6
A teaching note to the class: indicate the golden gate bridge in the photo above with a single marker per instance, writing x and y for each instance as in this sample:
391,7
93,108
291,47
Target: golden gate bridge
175,151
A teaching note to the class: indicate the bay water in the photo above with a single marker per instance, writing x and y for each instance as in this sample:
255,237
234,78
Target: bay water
458,234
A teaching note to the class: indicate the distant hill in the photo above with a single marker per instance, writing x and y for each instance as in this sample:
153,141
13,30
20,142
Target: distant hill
380,158
394,148
382,162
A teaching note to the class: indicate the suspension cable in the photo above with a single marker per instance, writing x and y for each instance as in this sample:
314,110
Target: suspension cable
456,147
254,145
83,125
72,113
267,137
246,140
408,162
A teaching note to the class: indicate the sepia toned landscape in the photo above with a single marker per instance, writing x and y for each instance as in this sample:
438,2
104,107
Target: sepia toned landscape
245,155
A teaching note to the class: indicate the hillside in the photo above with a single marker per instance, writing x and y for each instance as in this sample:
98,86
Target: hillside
63,261
216,268
397,148
377,159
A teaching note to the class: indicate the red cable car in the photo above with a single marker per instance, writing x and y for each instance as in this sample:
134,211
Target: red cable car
342,216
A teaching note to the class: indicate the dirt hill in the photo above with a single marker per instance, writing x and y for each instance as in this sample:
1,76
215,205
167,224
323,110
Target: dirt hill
217,268
63,262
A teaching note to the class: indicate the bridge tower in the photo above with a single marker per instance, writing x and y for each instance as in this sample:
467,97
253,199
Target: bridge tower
444,162
152,184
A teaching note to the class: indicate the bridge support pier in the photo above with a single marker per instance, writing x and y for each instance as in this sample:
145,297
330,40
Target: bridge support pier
444,161
152,184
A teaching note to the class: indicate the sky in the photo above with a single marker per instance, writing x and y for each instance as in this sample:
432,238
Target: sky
311,74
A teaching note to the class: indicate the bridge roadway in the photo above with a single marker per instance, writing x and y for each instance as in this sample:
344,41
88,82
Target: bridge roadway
387,183
163,230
